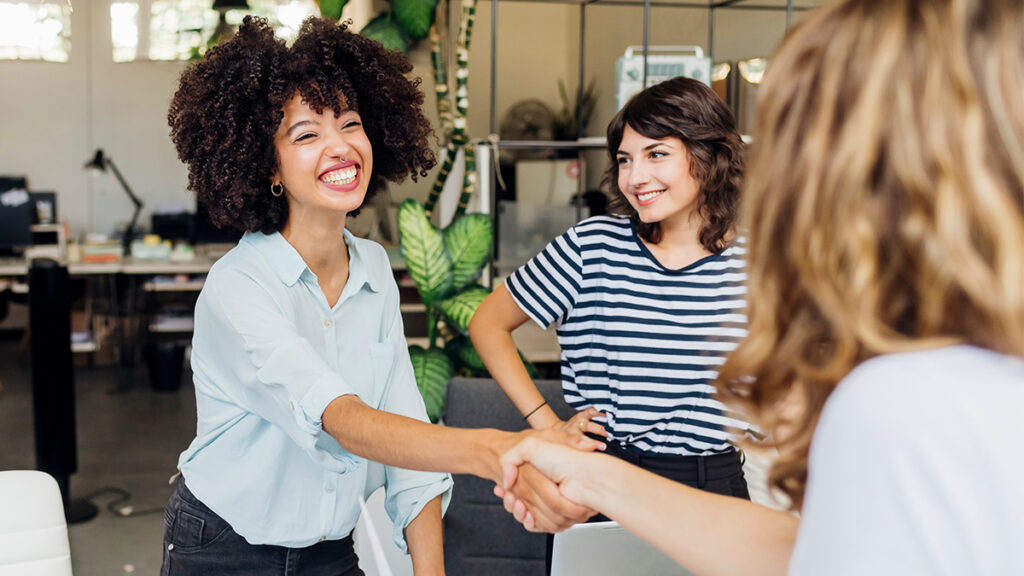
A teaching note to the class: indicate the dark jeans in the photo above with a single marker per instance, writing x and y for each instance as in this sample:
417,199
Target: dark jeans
197,541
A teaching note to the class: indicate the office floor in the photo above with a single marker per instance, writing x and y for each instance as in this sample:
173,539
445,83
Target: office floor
127,441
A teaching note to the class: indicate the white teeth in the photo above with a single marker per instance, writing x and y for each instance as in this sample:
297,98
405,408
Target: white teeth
648,195
340,177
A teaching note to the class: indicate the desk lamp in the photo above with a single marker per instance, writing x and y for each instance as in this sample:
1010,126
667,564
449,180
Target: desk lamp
100,163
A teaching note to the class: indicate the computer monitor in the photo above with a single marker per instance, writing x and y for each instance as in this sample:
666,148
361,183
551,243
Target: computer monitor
16,210
207,233
174,227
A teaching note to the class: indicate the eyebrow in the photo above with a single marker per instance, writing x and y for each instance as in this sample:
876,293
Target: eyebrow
297,125
648,147
302,123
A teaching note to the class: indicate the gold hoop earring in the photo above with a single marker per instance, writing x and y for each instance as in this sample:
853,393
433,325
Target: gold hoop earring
277,189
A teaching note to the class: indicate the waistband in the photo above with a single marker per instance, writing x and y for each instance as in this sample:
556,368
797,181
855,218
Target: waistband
713,465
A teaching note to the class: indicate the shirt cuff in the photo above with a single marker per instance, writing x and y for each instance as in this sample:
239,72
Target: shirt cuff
328,452
409,502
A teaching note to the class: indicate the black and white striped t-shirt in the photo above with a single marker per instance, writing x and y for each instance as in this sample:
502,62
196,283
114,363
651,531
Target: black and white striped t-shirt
640,342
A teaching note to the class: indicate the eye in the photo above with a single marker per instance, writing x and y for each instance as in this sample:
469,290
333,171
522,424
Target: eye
305,136
354,123
622,160
658,154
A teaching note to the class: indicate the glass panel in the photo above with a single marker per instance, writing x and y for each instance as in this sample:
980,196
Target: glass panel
124,30
183,29
35,31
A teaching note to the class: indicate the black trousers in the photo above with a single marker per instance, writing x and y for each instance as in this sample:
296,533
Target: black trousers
715,473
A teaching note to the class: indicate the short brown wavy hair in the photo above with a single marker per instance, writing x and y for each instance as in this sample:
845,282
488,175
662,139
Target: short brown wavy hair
686,109
228,106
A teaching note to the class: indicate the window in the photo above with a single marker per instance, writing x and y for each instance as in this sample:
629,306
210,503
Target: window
182,29
35,30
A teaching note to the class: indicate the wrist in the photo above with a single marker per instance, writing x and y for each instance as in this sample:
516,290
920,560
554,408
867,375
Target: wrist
602,484
543,418
490,445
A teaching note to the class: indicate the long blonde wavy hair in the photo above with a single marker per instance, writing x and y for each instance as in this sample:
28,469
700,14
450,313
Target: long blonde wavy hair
884,203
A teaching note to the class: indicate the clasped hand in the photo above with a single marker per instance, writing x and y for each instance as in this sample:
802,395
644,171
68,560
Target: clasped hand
535,487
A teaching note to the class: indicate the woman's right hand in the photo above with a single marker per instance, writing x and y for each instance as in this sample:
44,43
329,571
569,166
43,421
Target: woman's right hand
582,422
556,460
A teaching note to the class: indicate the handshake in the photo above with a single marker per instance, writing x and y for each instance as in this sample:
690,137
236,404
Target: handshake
545,479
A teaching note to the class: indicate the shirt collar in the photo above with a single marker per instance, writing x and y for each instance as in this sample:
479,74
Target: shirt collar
360,267
289,266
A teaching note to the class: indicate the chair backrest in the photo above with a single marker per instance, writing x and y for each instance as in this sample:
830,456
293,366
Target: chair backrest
33,531
607,549
480,537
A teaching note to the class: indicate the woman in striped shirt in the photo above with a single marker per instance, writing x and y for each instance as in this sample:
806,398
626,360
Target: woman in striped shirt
647,301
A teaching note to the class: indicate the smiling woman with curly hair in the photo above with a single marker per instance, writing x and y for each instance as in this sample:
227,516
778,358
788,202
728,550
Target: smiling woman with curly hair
301,369
227,110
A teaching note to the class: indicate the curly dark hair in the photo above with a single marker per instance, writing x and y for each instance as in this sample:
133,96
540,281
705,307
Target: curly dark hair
686,109
229,105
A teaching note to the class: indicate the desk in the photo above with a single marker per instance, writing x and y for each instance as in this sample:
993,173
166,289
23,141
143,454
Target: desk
536,344
134,266
123,280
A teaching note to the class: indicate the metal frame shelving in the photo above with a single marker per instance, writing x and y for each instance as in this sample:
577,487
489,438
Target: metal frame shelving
486,148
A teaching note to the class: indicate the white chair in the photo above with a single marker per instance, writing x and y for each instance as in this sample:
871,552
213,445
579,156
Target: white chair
33,532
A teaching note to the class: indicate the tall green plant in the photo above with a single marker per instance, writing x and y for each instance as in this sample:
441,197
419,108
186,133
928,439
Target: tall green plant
445,265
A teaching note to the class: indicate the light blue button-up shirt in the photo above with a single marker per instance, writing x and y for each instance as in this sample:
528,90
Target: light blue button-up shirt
269,355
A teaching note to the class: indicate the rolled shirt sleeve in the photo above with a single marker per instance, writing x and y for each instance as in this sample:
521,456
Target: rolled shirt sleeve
287,382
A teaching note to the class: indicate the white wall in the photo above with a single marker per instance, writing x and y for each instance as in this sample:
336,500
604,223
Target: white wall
53,116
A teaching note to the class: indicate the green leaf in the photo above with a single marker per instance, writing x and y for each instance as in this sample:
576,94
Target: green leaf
415,16
388,32
332,8
460,349
433,369
422,247
461,307
468,240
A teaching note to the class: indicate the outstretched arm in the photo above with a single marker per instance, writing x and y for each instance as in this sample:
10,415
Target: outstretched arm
697,529
491,332
396,440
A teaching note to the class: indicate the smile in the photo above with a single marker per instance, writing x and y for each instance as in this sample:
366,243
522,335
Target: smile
647,197
341,176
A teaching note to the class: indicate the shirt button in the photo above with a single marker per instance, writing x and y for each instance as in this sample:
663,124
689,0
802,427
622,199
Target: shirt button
327,323
329,488
170,547
321,539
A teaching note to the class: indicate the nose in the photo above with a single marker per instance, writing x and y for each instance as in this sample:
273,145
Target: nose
637,174
337,144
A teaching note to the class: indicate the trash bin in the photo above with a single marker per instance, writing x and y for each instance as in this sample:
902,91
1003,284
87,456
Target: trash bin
165,361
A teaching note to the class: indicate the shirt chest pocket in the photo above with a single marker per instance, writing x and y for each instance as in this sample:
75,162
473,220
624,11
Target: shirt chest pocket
381,362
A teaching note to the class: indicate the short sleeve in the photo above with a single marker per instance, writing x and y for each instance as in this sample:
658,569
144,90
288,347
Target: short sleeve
868,507
546,287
